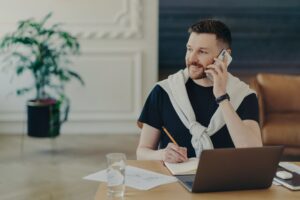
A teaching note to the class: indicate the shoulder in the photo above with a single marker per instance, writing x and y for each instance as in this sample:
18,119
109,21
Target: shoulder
157,92
157,96
249,108
152,111
157,89
250,99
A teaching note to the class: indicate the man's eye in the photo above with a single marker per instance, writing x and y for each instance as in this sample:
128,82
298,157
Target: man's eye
189,49
203,52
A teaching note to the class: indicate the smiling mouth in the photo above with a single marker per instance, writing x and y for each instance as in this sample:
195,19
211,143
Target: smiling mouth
196,68
197,72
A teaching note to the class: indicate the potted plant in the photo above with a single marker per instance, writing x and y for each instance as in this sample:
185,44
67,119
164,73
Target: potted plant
44,52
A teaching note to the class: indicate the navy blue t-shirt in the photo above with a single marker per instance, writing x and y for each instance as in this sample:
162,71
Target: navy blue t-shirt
158,112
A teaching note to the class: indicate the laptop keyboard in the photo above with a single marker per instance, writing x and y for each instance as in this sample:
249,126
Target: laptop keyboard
189,183
188,180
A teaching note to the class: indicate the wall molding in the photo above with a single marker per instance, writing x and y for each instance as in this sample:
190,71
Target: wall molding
136,56
91,122
125,24
76,116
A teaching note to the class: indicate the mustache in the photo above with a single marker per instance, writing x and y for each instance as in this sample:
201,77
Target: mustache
195,64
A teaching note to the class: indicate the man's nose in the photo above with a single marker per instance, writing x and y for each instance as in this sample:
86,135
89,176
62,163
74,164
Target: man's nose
193,57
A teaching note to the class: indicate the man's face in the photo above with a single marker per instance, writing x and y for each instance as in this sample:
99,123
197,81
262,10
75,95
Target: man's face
202,48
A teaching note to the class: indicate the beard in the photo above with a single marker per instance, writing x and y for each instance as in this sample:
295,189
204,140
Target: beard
196,71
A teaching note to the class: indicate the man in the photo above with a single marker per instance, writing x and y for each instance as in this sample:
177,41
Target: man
199,112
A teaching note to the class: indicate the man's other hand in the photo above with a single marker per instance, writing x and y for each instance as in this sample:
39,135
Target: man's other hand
174,154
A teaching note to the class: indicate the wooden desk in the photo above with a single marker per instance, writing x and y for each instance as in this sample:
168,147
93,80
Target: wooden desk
174,191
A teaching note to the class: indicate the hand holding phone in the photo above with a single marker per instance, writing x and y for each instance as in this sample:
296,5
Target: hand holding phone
222,56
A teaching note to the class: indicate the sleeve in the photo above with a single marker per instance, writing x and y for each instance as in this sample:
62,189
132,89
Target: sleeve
152,111
249,108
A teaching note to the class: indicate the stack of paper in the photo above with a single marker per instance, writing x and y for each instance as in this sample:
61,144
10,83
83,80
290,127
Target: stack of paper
136,178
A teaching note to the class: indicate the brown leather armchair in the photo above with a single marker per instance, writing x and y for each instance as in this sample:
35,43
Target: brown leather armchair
279,102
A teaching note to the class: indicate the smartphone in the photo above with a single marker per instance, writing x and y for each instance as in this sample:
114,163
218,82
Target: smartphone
221,56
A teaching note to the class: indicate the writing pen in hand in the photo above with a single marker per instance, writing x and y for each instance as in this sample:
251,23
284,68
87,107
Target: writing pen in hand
169,135
172,139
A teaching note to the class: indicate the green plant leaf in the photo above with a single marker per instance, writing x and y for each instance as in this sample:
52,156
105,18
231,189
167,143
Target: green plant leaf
23,91
74,74
20,70
43,51
45,19
23,58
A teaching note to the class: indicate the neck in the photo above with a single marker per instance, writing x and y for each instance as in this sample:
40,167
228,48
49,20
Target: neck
205,82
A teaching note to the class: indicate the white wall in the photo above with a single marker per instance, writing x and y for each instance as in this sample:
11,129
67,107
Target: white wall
118,62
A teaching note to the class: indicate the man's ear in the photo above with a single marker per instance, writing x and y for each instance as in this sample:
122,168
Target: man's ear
229,51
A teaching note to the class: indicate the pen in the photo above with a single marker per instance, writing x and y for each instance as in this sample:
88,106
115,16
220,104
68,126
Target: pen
169,135
172,139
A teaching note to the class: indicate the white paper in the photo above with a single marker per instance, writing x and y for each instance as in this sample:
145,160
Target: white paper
136,178
290,166
188,167
274,182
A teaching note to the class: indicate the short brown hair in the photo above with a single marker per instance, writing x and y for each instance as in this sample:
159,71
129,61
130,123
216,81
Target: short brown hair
216,27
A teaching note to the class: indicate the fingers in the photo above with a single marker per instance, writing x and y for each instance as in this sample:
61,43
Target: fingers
225,60
221,63
217,69
173,157
181,151
211,71
218,65
175,154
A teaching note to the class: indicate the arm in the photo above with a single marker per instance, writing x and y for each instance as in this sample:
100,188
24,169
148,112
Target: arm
244,133
148,144
147,147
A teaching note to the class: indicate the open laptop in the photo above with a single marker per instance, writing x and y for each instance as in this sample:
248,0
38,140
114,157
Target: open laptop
233,169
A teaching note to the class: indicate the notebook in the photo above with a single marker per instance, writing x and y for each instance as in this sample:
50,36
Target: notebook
294,182
188,167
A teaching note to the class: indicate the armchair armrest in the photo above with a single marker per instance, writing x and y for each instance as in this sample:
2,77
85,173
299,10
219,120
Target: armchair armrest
255,86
